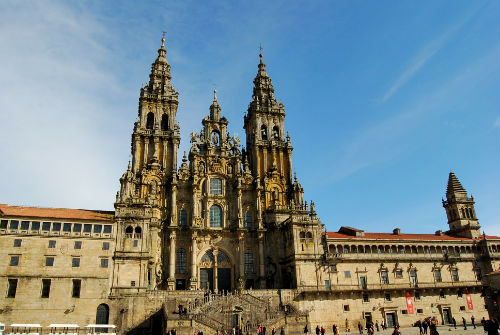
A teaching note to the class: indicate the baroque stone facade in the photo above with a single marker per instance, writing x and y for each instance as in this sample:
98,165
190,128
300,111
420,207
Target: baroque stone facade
228,236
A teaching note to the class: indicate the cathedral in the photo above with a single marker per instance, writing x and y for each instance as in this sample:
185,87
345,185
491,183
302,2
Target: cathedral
226,240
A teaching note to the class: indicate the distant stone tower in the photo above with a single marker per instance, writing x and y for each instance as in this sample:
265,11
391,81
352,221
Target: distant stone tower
460,210
148,187
269,150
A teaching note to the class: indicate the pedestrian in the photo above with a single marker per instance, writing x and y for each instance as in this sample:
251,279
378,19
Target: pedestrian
306,330
322,330
282,331
383,324
317,330
376,326
454,322
473,321
433,328
464,322
425,325
483,322
396,331
419,325
334,329
273,331
360,327
264,330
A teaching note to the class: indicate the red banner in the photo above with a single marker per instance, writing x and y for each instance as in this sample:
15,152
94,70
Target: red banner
468,297
409,302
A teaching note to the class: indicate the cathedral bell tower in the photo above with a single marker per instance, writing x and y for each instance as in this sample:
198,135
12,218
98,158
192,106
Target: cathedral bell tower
148,186
269,149
460,210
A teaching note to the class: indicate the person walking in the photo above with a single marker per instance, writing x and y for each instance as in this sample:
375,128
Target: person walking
317,330
306,330
376,326
396,331
334,329
282,331
473,321
360,327
464,322
425,325
322,330
419,325
454,322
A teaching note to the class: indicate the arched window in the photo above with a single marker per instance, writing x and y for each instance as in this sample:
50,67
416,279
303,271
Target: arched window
102,315
182,219
248,262
180,261
215,186
215,216
150,121
208,256
138,232
263,132
248,220
164,122
129,232
222,257
463,213
276,133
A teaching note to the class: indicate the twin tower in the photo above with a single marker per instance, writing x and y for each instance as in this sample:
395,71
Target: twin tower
214,222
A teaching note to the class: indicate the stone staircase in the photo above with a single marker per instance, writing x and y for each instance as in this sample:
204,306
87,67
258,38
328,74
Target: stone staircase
224,311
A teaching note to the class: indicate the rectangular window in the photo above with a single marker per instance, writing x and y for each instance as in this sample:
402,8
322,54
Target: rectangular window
78,244
462,308
87,228
17,242
420,310
52,244
104,262
182,218
3,224
45,288
384,275
67,227
49,261
248,220
437,275
387,297
417,295
215,186
479,274
46,226
14,261
454,275
413,277
14,224
362,282
459,294
399,273
105,245
132,283
77,228
77,285
56,226
97,229
333,268
136,243
404,311
346,308
75,262
442,294
35,226
366,298
108,229
11,291
25,225
327,285
248,262
347,274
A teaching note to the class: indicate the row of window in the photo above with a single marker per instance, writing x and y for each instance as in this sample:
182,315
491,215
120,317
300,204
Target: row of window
263,132
181,260
52,244
45,289
384,276
49,261
150,121
450,250
34,226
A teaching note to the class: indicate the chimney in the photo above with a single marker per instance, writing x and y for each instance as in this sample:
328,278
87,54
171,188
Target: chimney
397,231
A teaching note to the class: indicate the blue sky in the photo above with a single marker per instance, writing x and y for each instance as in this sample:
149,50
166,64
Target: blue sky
383,98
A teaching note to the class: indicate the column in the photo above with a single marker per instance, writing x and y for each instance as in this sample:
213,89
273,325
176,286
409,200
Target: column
146,150
156,148
174,158
171,263
165,153
173,204
242,255
259,209
193,280
135,161
240,208
261,261
194,207
216,275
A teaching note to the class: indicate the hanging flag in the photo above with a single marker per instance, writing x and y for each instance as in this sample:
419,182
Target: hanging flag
468,297
409,302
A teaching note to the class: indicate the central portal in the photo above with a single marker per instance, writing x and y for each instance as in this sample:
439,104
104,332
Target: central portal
215,271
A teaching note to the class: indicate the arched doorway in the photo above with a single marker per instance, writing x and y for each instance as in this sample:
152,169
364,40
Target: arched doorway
102,315
215,271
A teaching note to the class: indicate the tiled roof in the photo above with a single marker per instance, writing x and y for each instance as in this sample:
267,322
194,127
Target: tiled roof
56,213
391,236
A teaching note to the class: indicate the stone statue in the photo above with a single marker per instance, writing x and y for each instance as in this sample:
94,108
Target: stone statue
202,136
154,186
215,139
236,141
194,137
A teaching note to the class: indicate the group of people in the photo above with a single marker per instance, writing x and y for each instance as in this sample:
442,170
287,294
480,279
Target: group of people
370,328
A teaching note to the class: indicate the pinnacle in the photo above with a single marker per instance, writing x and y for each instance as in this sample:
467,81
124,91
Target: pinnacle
454,186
